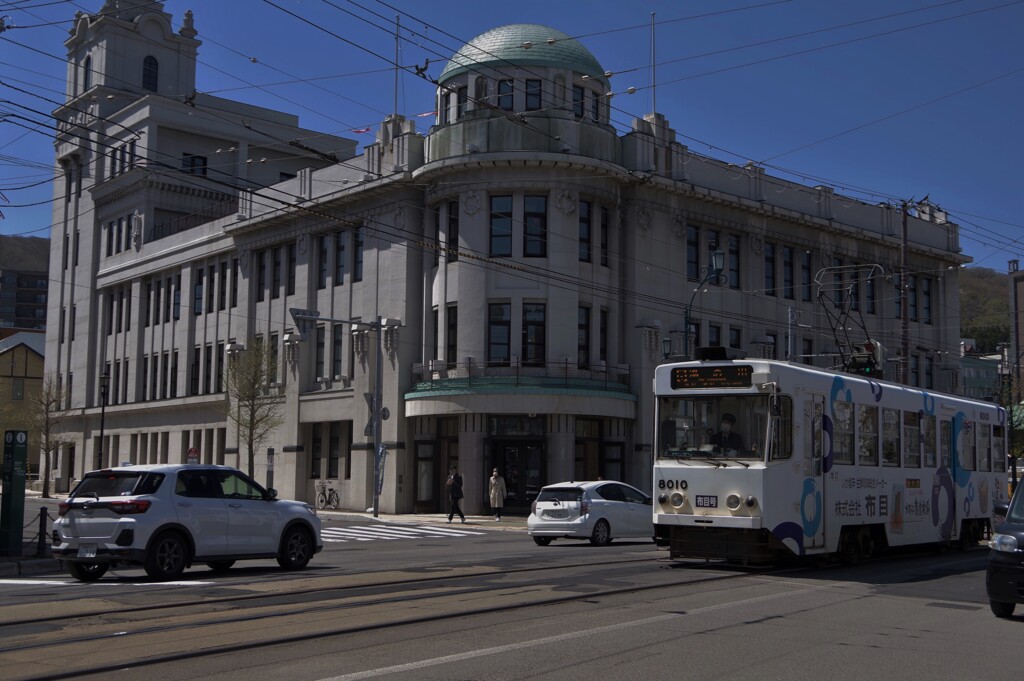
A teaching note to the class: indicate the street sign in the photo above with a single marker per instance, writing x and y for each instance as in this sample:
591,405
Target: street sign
192,456
303,319
12,502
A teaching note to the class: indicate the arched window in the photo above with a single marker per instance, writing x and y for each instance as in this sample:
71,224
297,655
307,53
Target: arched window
87,74
150,73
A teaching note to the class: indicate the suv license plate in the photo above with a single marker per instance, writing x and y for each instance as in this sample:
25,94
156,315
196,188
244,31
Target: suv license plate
87,551
706,501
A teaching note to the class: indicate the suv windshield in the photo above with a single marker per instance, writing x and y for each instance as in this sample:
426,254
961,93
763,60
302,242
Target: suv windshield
730,426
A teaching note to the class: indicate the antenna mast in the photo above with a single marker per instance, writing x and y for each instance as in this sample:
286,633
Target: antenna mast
654,80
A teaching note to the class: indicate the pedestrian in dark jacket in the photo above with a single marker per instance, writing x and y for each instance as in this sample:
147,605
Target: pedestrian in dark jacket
454,484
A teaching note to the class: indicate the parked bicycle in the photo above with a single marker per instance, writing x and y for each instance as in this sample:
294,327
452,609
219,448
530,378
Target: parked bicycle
327,496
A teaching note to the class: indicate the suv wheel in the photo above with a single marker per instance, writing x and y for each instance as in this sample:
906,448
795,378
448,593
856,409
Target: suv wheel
1002,610
296,549
167,556
87,572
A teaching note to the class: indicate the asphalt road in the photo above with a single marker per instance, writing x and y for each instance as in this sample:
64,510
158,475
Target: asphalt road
400,602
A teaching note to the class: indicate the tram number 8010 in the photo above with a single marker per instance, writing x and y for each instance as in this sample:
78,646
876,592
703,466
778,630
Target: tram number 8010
672,484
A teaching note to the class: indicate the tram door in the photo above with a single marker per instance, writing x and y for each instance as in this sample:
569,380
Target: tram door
812,497
521,463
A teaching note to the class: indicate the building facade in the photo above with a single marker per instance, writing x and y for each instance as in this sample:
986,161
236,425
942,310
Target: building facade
504,284
23,282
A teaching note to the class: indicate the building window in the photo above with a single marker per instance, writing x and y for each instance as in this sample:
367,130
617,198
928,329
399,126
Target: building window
787,272
912,297
333,449
222,286
17,389
339,258
337,341
534,347
150,73
167,299
235,269
276,273
535,227
452,231
735,338
807,351
578,97
292,265
583,337
595,107
870,286
461,98
87,74
193,374
177,295
769,269
209,289
321,338
606,227
357,252
602,340
505,95
926,300
451,338
316,451
192,164
501,226
692,253
322,255
714,335
533,95
499,333
734,261
197,293
207,368
805,276
585,231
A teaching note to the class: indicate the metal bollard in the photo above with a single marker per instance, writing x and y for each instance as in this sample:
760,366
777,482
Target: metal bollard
41,542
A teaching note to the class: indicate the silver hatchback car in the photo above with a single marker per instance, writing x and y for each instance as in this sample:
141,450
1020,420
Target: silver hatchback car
597,511
167,517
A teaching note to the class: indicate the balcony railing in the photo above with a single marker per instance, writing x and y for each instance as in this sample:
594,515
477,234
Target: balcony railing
563,374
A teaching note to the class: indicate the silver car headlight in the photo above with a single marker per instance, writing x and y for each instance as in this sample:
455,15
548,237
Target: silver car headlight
1003,542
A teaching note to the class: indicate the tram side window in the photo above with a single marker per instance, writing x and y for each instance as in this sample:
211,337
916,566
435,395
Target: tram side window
984,447
945,442
890,437
867,433
911,440
842,447
928,438
969,447
998,451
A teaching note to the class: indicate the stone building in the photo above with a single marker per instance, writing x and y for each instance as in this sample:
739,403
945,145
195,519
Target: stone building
505,283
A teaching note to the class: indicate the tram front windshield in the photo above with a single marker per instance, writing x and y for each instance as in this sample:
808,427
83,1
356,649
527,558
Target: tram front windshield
734,427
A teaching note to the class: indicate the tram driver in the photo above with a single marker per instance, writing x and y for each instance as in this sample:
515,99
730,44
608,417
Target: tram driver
727,441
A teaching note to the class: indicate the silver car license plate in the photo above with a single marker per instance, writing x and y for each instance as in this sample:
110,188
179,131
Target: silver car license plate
706,501
87,551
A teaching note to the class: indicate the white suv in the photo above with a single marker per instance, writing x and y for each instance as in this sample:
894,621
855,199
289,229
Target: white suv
167,517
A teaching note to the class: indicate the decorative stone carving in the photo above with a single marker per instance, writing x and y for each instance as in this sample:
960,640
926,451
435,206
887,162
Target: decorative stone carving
243,261
679,225
565,202
471,204
643,219
302,243
756,244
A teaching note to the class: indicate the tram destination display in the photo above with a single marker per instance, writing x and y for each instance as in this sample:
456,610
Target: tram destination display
728,376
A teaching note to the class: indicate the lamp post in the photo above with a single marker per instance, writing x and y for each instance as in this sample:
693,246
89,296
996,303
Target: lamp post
709,273
104,390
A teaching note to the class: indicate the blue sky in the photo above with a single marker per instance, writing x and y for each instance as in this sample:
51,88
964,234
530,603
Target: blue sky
881,99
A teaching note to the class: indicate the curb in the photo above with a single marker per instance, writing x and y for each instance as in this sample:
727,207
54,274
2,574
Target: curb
31,566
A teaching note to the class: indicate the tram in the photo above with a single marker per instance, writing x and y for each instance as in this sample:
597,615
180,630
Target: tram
758,460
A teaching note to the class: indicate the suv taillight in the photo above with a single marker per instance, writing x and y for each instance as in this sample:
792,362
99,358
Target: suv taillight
62,508
129,507
584,504
533,507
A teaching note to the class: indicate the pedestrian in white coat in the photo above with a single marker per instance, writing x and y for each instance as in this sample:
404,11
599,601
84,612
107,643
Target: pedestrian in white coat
497,493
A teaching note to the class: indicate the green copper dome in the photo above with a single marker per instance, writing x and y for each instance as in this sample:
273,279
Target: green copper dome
504,46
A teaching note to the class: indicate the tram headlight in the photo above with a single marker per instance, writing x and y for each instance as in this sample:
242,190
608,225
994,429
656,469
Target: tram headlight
733,502
1006,543
677,499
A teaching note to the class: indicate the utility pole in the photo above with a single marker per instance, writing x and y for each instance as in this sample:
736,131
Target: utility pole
904,302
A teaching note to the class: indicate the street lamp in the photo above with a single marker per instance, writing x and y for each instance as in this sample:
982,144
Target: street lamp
104,390
708,273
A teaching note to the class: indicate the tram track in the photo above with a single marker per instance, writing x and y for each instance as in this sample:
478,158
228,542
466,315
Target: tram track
143,642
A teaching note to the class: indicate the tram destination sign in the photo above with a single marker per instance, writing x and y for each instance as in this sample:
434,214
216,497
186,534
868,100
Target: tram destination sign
722,376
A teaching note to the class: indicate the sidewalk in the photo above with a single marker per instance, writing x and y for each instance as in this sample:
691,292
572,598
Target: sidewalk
30,564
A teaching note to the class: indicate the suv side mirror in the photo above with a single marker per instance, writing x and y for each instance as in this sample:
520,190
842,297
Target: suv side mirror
270,495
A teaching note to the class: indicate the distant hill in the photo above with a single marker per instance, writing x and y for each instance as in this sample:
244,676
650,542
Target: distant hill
985,307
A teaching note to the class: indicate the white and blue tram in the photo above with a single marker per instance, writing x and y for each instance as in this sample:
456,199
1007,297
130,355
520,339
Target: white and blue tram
817,462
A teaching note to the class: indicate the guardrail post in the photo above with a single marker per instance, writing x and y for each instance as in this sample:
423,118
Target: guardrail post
41,541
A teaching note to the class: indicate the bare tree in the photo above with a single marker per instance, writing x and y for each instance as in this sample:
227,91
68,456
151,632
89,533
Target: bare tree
46,418
251,406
